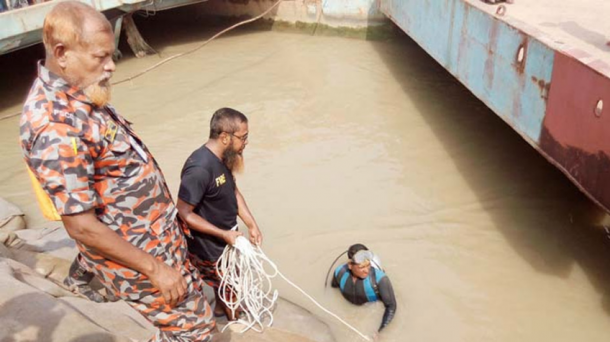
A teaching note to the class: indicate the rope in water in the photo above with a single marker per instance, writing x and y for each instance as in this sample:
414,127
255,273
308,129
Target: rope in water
242,271
201,45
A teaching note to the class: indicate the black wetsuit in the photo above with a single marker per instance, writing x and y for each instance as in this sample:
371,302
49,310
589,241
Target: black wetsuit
376,286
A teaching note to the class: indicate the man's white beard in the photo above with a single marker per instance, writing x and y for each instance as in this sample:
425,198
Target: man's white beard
99,92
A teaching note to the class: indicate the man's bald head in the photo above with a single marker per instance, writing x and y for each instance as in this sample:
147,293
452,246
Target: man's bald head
79,47
68,24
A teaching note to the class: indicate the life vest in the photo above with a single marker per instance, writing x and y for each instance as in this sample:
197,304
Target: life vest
44,202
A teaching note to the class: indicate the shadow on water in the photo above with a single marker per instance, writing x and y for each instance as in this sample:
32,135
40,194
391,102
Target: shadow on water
550,223
187,26
18,73
195,24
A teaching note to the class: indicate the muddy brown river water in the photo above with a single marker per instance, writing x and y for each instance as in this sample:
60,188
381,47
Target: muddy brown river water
371,142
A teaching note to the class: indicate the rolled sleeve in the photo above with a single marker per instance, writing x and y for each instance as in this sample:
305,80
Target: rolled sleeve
61,161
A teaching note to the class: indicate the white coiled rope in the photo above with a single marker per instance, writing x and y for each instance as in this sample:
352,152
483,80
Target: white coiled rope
242,272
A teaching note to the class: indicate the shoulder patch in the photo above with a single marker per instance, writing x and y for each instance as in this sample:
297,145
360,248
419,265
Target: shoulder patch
111,129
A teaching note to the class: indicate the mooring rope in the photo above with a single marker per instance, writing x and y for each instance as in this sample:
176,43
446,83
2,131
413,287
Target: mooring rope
242,272
201,45
8,116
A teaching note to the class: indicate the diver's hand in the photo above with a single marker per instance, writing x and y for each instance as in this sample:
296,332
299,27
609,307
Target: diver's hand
230,236
256,237
169,281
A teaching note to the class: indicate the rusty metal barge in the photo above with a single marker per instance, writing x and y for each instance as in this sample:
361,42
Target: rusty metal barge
543,66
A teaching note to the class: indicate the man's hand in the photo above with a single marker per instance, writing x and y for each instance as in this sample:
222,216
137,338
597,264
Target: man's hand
230,236
89,231
169,281
256,237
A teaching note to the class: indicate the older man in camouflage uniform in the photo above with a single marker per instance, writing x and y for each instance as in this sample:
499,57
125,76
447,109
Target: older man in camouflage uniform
104,182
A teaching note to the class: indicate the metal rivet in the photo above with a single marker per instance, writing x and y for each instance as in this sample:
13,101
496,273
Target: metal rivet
501,11
521,54
599,108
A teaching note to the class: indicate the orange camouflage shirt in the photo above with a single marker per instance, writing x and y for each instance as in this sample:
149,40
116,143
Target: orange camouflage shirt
87,157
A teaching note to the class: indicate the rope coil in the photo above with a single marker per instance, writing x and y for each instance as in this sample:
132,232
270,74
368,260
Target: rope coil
243,274
242,271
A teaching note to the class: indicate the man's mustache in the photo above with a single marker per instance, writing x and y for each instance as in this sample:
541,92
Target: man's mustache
105,78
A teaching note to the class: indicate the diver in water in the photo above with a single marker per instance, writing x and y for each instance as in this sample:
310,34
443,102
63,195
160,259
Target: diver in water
355,248
360,283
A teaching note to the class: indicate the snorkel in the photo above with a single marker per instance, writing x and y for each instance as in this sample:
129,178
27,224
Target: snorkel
331,267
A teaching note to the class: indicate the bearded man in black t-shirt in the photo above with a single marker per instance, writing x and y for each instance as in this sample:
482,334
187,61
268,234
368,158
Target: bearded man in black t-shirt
209,200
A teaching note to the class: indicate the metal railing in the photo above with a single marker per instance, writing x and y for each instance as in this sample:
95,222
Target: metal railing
8,5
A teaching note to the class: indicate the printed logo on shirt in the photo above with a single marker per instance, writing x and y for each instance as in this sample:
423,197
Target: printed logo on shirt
221,180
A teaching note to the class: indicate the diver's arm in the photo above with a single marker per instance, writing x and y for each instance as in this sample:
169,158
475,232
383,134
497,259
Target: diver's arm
387,297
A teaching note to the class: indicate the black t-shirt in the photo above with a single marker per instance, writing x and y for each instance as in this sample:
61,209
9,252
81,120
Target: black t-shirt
207,184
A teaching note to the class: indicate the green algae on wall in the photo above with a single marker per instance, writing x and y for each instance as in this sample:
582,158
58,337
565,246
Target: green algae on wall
374,32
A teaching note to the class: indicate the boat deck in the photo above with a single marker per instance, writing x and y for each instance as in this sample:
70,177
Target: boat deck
543,66
566,25
22,27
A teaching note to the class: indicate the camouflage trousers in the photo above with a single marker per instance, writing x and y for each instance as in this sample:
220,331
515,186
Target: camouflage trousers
190,320
207,269
210,275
